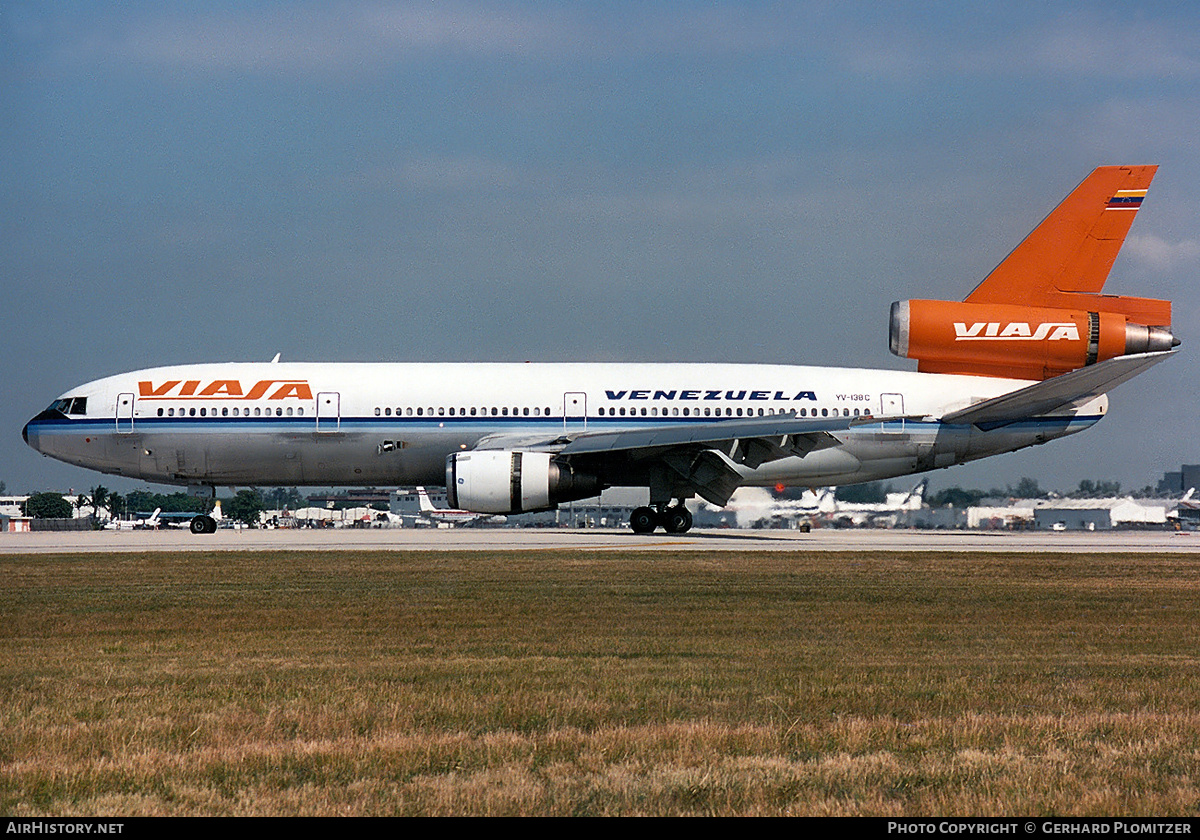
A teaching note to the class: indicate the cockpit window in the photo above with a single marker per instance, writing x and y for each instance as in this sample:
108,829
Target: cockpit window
71,405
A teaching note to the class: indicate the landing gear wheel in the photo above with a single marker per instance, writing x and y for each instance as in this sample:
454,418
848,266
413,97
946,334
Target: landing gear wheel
643,520
203,525
677,520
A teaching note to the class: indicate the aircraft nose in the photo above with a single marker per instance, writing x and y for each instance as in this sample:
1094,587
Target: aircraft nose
30,434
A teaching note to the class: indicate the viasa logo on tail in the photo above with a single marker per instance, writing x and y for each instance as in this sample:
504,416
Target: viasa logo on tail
225,389
1016,331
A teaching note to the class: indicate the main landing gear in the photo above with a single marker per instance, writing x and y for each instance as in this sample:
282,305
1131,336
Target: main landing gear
203,525
675,519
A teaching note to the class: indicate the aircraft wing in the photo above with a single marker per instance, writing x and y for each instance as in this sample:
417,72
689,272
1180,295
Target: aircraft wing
1050,394
759,439
792,436
690,450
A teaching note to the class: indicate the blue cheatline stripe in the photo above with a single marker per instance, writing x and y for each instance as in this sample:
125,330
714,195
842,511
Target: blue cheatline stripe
547,425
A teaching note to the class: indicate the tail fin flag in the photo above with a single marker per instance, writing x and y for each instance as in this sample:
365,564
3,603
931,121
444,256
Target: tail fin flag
1041,312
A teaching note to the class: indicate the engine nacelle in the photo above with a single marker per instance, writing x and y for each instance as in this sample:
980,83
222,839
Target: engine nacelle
502,481
1020,342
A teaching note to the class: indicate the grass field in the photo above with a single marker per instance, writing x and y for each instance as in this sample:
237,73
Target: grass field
596,683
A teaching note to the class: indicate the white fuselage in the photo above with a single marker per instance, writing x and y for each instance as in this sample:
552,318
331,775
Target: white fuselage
395,424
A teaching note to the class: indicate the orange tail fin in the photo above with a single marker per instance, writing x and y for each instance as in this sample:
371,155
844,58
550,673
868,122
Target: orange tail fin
1065,261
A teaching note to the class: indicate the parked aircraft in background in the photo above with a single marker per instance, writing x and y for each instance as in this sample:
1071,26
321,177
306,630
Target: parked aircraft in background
151,522
756,507
427,512
878,513
1027,357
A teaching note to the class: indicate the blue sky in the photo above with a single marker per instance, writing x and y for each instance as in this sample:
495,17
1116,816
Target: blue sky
558,181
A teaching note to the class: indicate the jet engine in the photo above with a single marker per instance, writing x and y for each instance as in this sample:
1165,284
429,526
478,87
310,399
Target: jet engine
502,481
1019,342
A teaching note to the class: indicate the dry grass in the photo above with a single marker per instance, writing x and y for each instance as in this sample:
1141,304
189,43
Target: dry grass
599,683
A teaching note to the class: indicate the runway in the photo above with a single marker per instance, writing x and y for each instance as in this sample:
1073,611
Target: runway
538,539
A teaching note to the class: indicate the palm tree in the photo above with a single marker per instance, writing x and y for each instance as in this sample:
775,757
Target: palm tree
99,498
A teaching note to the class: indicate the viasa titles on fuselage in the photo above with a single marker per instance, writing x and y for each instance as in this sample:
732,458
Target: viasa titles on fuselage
1028,356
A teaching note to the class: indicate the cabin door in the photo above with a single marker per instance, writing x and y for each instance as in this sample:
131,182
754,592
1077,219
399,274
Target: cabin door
329,411
124,413
574,408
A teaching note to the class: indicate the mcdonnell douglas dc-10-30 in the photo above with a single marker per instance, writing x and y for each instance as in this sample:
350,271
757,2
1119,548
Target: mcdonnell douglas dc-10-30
1027,357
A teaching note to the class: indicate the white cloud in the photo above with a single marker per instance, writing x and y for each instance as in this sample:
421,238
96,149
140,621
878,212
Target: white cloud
337,38
1161,255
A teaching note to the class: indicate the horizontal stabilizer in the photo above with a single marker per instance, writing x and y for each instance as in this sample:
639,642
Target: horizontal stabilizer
1050,394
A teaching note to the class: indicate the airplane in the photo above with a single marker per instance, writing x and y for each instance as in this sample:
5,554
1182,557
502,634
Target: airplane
1027,357
886,512
151,522
756,507
446,516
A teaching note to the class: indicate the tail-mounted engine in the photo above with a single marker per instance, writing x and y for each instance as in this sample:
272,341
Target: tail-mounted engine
1042,311
501,481
1018,342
